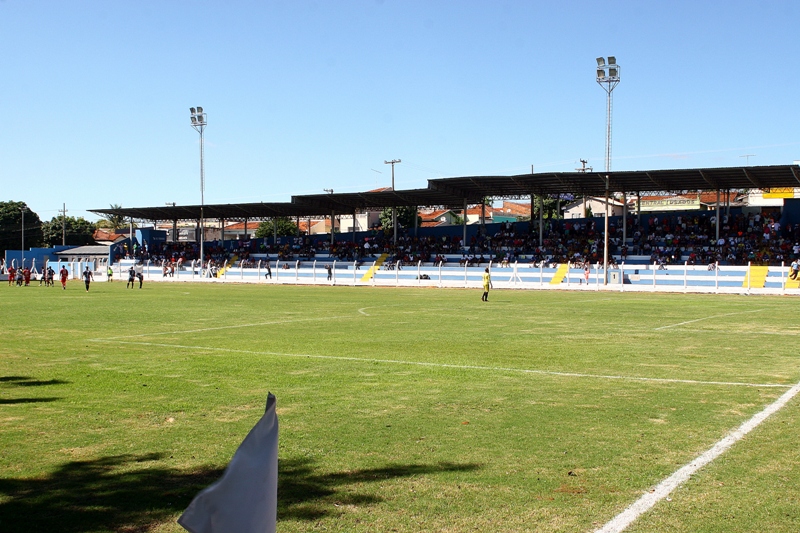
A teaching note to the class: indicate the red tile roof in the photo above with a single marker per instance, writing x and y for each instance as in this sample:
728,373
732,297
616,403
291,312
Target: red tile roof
103,235
432,215
516,208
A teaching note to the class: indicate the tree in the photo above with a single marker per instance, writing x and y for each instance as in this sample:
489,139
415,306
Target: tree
77,231
286,228
112,221
550,205
11,227
405,218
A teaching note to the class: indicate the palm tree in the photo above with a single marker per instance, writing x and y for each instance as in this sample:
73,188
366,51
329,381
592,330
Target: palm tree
111,220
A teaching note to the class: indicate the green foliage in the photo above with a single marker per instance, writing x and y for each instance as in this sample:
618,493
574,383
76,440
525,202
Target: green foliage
11,227
549,207
286,228
111,221
405,218
77,231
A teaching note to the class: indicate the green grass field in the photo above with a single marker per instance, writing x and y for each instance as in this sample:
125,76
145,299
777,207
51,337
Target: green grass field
401,410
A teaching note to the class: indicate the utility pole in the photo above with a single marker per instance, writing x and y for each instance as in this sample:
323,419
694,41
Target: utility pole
64,225
22,210
394,209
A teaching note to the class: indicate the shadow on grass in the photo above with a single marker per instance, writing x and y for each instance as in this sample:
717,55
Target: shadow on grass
26,381
304,494
120,493
14,401
132,494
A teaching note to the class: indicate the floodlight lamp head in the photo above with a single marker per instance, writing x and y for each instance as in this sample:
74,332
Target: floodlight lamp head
194,119
612,60
199,110
601,74
601,62
191,110
613,72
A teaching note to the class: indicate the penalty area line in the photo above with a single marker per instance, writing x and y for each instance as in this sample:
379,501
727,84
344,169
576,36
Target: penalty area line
707,318
445,365
662,490
216,328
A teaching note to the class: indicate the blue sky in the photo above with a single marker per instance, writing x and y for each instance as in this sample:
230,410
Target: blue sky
303,96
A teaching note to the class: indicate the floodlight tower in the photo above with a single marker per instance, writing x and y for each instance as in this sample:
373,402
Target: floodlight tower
199,124
393,162
608,79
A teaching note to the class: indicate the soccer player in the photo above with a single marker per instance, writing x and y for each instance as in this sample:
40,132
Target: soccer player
63,274
87,277
487,284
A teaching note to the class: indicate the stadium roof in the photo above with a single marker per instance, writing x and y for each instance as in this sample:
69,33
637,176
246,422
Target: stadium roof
454,192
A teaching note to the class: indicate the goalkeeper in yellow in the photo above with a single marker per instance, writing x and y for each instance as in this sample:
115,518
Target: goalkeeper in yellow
487,284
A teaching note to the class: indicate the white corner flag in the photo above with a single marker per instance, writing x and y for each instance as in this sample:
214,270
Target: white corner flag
245,498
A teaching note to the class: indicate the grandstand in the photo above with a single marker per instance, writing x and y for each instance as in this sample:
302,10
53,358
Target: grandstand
551,253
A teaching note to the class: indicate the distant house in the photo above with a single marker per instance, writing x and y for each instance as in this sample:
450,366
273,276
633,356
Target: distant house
107,238
363,221
596,206
237,230
432,218
517,210
97,254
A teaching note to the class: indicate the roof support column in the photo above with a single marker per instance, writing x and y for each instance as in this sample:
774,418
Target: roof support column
416,219
246,237
354,226
717,219
175,230
541,219
624,219
483,216
728,202
464,225
638,208
333,220
605,239
222,231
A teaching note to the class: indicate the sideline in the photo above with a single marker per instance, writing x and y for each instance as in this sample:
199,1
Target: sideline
709,318
115,340
663,489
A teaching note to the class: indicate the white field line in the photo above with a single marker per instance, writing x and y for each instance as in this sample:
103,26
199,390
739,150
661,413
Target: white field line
708,318
646,502
443,365
269,323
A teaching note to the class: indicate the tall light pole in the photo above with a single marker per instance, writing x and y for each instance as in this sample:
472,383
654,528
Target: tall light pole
394,210
608,79
199,124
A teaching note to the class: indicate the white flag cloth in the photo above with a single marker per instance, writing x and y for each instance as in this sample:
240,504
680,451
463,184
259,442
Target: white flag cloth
245,498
